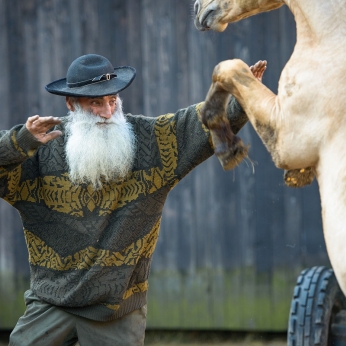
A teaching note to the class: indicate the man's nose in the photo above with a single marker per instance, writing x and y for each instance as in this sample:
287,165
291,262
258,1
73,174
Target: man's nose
106,111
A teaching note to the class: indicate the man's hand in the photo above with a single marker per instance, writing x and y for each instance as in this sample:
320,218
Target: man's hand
258,69
38,127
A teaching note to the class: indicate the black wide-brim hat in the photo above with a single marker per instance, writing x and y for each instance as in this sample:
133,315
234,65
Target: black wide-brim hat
92,75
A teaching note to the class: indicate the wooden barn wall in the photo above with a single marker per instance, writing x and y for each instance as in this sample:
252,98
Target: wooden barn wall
232,243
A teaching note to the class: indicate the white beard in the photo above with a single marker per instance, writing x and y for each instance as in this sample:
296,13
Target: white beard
99,150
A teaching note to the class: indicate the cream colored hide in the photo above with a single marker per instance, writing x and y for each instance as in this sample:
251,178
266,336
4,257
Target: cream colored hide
304,125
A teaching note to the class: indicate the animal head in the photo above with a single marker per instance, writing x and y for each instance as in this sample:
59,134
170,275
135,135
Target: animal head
216,14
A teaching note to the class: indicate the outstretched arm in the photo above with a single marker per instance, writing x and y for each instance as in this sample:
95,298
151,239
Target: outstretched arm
19,144
189,142
229,149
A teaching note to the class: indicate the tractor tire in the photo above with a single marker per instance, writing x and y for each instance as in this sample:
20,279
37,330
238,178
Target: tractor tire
317,300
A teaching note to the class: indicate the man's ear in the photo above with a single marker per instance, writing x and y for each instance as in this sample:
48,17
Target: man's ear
69,104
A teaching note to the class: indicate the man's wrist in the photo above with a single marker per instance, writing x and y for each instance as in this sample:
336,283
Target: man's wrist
26,140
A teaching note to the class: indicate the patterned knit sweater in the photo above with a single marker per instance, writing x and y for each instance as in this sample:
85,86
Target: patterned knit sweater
90,251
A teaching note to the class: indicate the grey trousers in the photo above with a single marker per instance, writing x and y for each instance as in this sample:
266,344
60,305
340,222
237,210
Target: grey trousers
46,325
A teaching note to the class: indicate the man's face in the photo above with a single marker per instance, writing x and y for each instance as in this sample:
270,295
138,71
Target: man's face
103,106
100,143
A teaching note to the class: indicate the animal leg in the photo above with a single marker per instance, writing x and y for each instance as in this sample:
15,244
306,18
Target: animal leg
228,148
259,103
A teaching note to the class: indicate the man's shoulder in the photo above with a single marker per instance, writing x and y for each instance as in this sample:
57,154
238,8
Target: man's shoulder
139,118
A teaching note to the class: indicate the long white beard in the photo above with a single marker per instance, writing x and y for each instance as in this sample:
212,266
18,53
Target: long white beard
99,150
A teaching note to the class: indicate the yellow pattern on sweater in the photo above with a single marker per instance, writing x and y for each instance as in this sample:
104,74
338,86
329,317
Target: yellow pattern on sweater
40,254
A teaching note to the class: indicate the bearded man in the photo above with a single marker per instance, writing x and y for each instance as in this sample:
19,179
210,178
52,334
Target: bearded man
90,193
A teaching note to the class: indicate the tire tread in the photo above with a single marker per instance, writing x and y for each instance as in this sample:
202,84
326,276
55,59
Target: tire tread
306,323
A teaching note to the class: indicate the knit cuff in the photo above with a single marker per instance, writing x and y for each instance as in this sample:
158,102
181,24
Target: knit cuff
26,140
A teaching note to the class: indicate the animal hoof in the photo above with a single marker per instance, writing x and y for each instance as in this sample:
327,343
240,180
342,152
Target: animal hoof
299,177
232,156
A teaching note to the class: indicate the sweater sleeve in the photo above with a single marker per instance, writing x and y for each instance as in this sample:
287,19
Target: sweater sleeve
185,142
16,145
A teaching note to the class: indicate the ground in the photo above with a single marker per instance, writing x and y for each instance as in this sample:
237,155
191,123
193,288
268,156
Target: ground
174,338
197,338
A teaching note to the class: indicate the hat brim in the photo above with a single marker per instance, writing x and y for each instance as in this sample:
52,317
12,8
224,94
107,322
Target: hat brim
125,76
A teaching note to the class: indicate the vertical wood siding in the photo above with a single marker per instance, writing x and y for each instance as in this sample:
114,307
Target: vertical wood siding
232,243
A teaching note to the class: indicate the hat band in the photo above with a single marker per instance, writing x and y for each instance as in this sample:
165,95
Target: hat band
101,78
